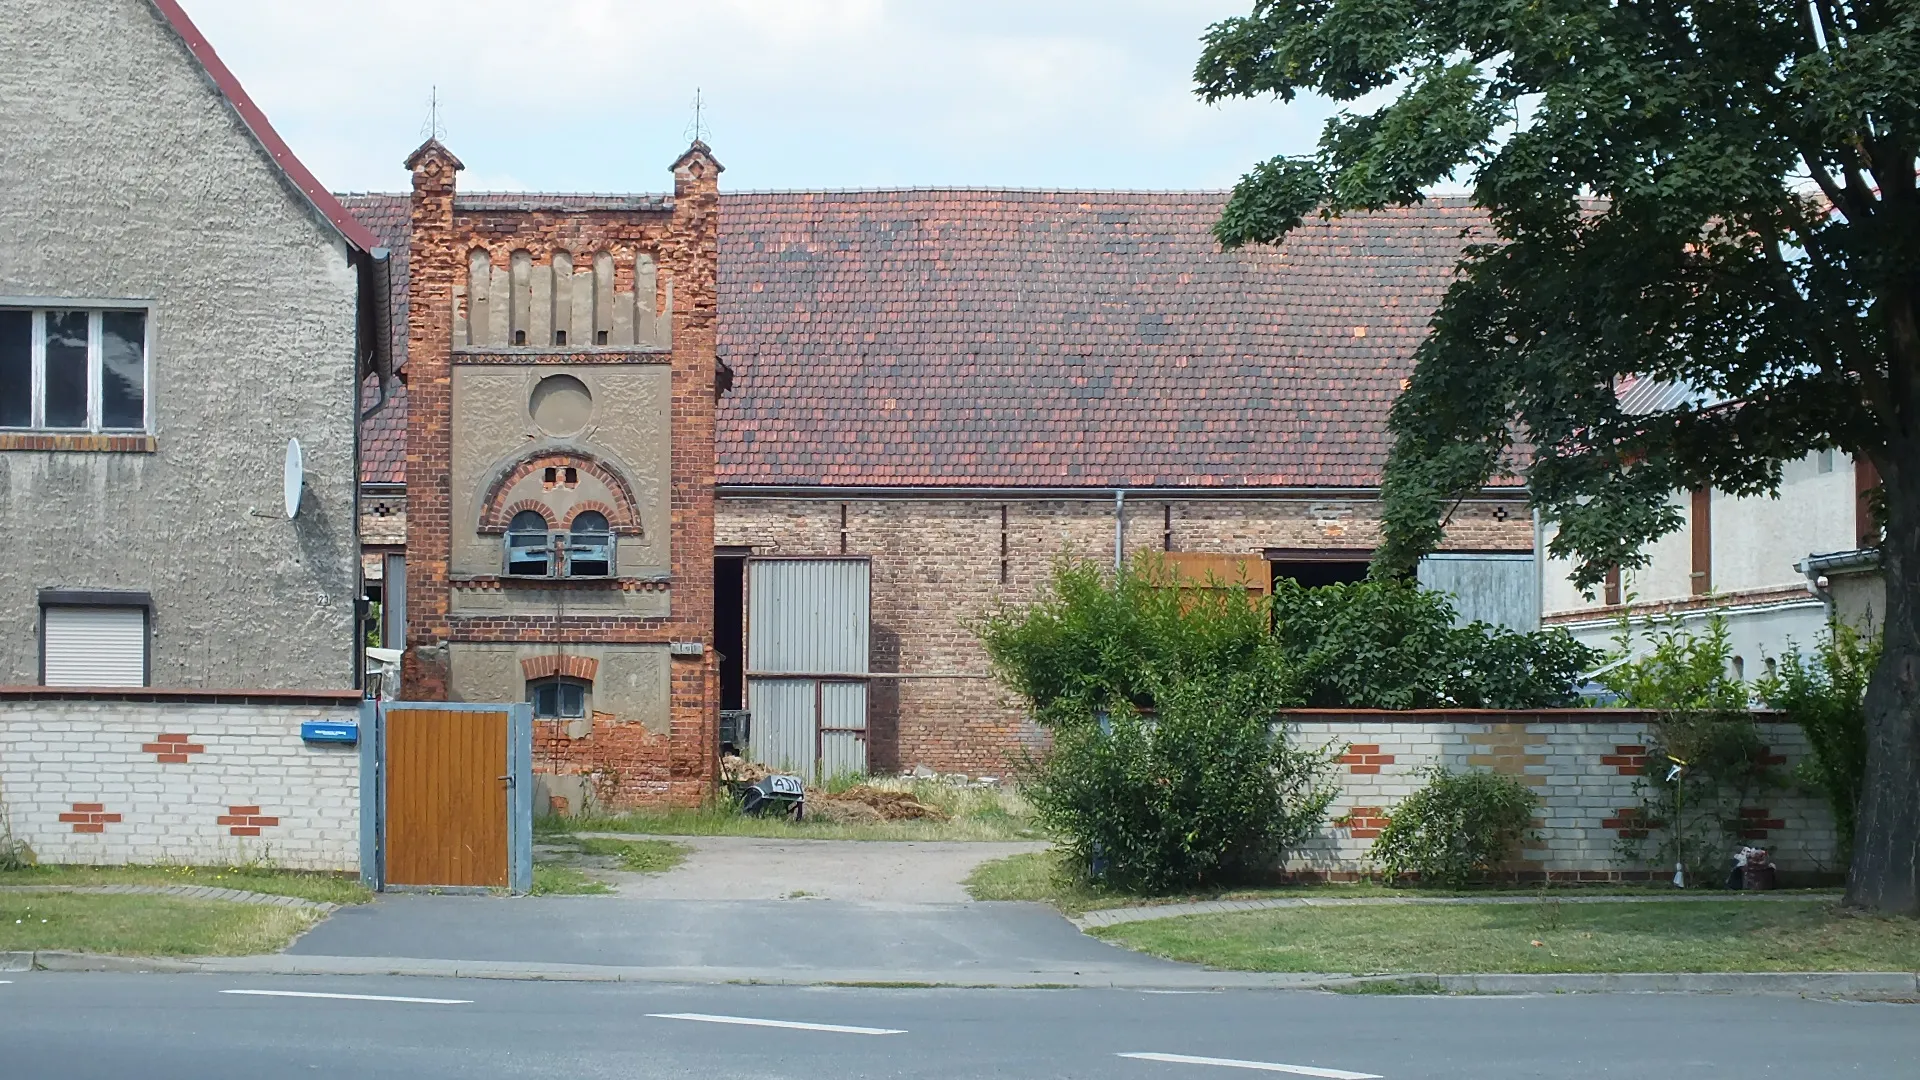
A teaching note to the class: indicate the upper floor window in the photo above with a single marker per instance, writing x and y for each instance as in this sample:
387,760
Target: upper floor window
529,546
589,545
73,369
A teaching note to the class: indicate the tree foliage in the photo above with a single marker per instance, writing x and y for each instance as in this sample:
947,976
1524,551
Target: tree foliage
1717,196
1825,692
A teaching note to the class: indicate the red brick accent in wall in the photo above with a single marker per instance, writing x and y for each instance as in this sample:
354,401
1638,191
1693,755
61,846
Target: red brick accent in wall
1754,822
1364,822
245,820
90,817
1631,822
172,749
574,667
1365,759
1768,757
1630,760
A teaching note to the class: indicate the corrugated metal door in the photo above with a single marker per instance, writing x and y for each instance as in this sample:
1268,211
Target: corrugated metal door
95,646
807,644
1497,589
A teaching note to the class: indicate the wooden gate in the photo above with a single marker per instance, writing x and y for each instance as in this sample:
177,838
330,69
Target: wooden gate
455,796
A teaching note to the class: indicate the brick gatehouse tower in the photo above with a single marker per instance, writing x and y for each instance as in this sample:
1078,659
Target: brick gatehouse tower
560,469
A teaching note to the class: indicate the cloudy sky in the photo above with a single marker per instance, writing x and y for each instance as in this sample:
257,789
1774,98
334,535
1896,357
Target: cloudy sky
597,95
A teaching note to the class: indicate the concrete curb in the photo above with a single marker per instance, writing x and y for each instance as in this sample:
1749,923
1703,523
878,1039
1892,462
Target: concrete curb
189,892
1870,984
1145,913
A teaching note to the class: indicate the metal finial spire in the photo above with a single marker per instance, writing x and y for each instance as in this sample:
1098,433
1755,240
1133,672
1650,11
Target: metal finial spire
433,129
697,130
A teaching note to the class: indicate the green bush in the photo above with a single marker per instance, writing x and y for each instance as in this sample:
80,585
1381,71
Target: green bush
1097,642
1384,644
1823,693
1207,792
1457,827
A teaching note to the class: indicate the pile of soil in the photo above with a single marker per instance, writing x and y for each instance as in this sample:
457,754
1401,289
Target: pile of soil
875,805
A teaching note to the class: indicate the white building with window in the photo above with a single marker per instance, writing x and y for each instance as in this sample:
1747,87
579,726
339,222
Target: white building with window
179,298
1775,568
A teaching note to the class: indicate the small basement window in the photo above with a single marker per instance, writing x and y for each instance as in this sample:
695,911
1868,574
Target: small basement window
558,699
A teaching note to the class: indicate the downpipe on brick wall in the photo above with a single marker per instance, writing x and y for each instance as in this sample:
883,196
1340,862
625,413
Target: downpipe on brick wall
1119,529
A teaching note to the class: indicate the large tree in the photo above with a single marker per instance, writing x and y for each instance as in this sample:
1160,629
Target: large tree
1716,195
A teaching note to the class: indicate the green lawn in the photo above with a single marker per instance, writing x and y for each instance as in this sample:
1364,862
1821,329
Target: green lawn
307,885
1044,877
1814,935
145,925
976,814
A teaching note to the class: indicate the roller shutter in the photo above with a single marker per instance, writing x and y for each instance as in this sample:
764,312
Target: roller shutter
95,646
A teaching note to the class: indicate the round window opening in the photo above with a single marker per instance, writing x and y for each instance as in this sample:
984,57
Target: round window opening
560,405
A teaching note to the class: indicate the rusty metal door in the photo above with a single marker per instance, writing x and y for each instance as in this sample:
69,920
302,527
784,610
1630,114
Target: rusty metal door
455,809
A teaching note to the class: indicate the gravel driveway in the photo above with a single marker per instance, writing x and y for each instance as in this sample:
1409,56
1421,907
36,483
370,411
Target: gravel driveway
755,868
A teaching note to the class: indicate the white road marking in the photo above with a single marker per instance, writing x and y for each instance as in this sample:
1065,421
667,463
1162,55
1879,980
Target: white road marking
1262,1066
349,997
708,1018
1179,991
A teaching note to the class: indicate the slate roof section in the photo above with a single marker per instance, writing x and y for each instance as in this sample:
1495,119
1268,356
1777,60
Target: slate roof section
1013,338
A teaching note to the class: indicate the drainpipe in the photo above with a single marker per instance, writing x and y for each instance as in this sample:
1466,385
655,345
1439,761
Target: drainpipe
1539,570
1119,529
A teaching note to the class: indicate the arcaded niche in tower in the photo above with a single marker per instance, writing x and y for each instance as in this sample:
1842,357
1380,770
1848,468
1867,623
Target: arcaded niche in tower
561,373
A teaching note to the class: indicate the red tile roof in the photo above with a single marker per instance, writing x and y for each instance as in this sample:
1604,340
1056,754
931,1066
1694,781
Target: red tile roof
1036,338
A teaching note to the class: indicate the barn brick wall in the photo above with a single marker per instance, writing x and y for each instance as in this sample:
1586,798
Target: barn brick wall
938,566
1582,763
122,782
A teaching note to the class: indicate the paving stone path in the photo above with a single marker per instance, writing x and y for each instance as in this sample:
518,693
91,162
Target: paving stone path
190,892
1116,916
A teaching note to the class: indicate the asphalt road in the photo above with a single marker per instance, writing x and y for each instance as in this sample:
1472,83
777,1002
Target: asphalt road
919,941
162,1027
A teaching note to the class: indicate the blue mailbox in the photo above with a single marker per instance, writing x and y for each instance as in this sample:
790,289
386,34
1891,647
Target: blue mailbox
329,731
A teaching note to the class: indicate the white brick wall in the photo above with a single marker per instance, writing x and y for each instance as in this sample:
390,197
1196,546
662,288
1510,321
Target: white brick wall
60,759
1575,765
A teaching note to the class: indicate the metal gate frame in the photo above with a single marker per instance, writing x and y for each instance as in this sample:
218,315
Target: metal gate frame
373,793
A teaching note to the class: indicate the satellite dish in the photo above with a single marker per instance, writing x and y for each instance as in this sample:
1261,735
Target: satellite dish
295,478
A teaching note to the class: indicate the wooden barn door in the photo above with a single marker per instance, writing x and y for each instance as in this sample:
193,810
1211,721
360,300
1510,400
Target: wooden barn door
448,794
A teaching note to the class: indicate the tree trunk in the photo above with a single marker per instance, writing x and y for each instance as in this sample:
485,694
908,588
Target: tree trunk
1885,875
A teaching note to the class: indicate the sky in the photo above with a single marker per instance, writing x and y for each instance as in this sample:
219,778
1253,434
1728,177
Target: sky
597,95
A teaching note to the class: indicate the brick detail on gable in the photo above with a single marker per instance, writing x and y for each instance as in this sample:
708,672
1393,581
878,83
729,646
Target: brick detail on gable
90,817
245,820
172,748
573,667
494,516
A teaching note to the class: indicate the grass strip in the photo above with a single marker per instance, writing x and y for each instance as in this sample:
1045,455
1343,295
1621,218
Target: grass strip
637,856
145,925
1815,935
326,887
550,879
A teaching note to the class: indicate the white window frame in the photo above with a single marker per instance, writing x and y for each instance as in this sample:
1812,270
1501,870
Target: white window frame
38,307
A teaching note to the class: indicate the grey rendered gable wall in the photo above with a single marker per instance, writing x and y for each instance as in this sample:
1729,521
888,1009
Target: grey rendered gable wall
125,174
